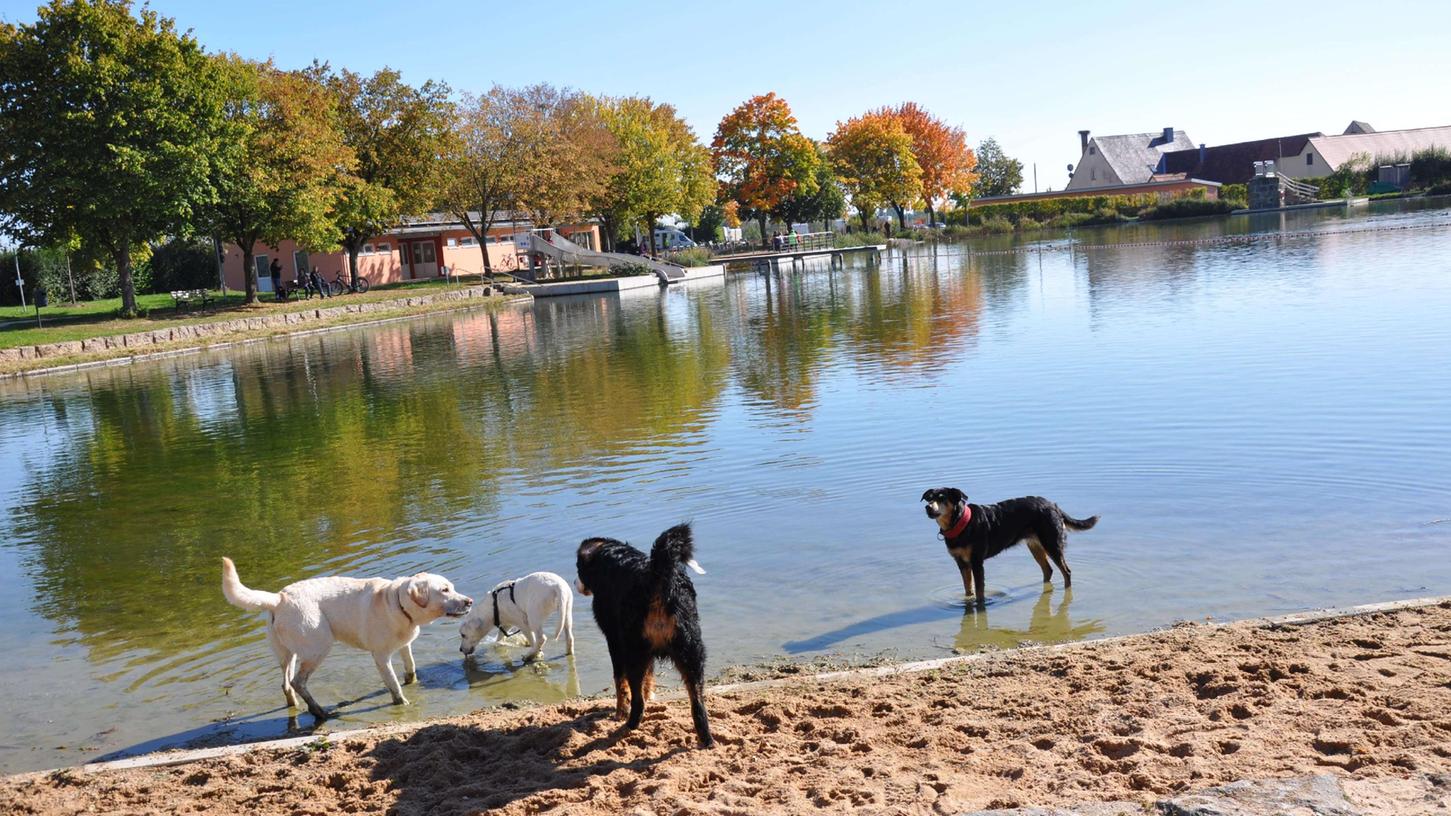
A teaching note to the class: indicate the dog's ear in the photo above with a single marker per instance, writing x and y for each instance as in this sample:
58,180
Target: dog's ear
927,494
587,548
418,592
956,495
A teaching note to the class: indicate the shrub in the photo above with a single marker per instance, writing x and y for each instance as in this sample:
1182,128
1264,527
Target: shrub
630,270
1184,208
847,240
1237,195
1444,188
1027,223
694,256
997,223
183,264
1431,167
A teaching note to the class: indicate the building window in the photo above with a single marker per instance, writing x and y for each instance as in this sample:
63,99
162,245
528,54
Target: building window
1309,158
1093,174
463,242
367,249
1092,151
383,248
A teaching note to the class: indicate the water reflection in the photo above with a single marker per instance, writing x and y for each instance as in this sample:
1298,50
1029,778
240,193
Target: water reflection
1046,625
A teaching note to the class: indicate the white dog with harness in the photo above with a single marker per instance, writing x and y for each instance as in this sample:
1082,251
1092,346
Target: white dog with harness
523,604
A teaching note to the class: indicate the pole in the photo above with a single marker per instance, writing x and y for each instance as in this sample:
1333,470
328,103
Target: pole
71,278
1035,177
19,281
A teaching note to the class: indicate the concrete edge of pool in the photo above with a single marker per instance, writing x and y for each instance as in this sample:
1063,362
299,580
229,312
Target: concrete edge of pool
162,759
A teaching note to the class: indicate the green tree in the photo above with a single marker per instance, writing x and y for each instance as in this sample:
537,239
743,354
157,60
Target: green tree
762,159
108,123
998,174
826,203
872,155
396,133
661,167
279,171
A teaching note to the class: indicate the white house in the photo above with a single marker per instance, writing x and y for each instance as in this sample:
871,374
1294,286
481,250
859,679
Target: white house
1131,158
1323,155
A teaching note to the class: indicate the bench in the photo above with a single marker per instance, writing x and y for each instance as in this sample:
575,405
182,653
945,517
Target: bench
190,297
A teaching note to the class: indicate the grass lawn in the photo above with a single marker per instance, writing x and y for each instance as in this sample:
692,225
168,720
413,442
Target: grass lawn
98,318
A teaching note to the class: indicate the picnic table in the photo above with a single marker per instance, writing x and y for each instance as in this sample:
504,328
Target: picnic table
186,298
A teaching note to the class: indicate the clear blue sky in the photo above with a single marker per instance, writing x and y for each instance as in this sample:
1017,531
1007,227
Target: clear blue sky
1032,74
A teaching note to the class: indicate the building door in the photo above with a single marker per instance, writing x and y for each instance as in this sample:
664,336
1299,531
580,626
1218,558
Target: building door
299,265
264,275
425,260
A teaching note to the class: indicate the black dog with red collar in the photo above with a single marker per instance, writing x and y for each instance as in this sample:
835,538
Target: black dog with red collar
976,532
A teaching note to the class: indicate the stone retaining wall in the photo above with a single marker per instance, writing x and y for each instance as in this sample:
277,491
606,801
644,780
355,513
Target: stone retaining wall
142,340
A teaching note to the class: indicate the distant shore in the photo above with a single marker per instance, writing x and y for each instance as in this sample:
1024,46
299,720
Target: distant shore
1363,695
181,336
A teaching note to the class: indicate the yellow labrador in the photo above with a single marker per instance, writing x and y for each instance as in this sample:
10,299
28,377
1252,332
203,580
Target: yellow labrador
376,615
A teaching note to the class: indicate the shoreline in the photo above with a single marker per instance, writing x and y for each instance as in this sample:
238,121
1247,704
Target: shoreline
845,703
121,350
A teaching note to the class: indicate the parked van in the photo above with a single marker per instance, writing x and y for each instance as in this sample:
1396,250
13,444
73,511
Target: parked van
672,238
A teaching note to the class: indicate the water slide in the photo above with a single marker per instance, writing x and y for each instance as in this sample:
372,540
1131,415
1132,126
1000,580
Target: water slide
565,251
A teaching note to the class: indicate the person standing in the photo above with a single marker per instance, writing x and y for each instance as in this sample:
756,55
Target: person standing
275,272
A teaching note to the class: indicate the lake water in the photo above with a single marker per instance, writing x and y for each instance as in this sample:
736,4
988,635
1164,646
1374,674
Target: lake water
1261,421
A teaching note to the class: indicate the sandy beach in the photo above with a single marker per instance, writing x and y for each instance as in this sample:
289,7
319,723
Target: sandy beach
1366,697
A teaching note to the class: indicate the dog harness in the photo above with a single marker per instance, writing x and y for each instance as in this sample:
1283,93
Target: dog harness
960,525
497,622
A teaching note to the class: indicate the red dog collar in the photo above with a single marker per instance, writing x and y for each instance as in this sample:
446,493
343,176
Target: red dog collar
961,523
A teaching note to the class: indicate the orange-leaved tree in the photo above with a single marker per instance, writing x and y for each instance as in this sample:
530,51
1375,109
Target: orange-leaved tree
872,156
948,164
762,159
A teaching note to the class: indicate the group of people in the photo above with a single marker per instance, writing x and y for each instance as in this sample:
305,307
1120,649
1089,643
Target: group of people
307,283
781,241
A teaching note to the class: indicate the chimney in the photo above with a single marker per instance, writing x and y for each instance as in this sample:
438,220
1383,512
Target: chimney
1082,141
1168,135
1201,155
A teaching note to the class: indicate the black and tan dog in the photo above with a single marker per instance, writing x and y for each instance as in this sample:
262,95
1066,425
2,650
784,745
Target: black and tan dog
977,532
645,606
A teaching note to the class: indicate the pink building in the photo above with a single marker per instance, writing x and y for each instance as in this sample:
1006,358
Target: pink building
417,250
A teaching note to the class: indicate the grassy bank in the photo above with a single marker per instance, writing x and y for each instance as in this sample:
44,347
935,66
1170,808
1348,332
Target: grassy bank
385,310
90,319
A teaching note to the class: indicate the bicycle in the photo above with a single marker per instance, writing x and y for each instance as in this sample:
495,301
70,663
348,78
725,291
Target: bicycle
338,285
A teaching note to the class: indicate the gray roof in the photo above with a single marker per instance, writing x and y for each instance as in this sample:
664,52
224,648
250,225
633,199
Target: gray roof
1134,156
1357,126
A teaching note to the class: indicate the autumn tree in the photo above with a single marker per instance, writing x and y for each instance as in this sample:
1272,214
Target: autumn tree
396,133
872,155
941,151
108,124
278,171
570,156
998,174
762,159
661,167
483,168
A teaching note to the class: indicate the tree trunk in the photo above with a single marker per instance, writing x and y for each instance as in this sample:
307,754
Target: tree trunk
128,287
931,215
650,228
249,272
901,216
765,239
353,267
863,211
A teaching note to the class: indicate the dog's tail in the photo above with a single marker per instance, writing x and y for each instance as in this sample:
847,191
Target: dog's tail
674,546
252,600
1079,524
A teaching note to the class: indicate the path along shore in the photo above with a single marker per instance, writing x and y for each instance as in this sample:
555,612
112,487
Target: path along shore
1364,695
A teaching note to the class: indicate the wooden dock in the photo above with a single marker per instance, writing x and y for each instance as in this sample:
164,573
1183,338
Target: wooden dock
813,245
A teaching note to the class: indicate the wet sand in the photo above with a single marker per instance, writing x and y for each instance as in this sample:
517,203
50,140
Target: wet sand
1366,697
